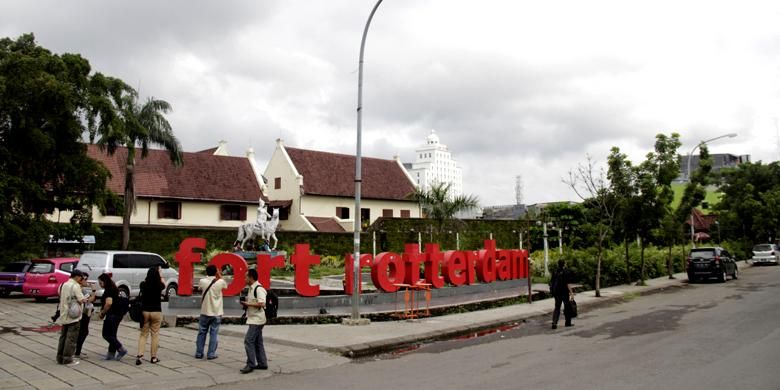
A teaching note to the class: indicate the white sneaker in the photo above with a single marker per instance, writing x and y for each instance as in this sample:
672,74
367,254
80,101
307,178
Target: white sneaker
74,363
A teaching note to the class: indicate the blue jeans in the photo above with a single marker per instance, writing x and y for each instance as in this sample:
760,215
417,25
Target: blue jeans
253,343
210,325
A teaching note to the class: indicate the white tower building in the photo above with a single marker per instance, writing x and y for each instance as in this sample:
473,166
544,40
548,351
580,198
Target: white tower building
435,165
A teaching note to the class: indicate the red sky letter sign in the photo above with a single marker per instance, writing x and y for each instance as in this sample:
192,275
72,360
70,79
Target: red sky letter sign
302,260
387,270
239,271
186,257
264,265
365,261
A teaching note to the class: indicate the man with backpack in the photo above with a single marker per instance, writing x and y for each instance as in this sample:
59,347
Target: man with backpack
211,312
560,289
70,309
256,319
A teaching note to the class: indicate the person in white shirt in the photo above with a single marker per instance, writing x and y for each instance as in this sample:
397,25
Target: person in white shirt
255,318
210,312
69,291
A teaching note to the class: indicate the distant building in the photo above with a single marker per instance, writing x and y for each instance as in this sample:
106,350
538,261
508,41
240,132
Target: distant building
209,189
434,164
719,161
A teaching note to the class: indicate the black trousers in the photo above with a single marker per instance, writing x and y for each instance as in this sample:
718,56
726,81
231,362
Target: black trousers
110,328
566,309
83,332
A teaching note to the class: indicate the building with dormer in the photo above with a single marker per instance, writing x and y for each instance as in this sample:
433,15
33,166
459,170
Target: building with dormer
315,190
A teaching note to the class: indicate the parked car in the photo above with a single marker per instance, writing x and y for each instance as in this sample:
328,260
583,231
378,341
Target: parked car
707,262
12,277
128,269
45,276
766,254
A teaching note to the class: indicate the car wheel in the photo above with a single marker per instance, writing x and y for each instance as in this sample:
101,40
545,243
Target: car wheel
4,293
124,292
171,291
691,279
722,276
40,299
735,275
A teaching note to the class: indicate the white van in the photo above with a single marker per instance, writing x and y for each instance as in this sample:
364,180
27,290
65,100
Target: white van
128,269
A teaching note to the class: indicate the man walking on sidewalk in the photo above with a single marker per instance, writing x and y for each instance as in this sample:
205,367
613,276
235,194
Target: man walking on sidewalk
561,290
255,318
70,291
210,312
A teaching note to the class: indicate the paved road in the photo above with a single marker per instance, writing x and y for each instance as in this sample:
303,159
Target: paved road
702,336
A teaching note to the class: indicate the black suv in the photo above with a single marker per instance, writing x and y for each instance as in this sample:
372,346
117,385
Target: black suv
711,262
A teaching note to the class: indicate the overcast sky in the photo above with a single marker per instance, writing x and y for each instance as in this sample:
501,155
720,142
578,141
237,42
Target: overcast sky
512,87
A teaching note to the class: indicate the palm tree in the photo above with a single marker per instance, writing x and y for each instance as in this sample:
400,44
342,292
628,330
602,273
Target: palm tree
136,126
438,204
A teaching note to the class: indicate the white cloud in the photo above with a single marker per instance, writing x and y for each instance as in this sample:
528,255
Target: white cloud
512,87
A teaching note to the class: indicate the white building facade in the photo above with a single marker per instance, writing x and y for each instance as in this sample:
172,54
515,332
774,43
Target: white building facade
434,164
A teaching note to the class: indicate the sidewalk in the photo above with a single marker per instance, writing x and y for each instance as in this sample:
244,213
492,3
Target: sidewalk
27,355
378,337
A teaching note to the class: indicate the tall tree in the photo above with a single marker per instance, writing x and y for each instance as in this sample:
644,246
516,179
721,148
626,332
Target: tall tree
45,103
654,181
622,178
438,204
749,209
591,186
136,126
668,167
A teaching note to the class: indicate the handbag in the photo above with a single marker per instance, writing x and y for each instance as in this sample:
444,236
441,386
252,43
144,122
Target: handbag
136,311
573,306
74,308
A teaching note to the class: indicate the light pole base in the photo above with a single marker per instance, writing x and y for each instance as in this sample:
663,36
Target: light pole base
357,322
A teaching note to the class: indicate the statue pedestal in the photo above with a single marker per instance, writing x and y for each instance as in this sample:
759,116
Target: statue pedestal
251,256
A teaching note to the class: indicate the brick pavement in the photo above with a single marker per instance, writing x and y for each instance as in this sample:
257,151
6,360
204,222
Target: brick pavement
27,356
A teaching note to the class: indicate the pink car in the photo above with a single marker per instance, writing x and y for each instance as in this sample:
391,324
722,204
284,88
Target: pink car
46,275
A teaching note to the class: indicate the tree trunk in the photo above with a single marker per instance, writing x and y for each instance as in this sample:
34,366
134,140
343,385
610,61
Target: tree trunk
129,201
669,261
641,262
598,271
628,262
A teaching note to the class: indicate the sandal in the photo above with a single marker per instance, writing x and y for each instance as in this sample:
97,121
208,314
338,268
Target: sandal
155,360
138,360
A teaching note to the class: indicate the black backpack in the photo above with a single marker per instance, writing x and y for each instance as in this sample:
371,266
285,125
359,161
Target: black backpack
555,281
271,304
120,306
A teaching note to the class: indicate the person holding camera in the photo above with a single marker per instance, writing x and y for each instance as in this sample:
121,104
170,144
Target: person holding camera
254,304
211,312
86,314
69,291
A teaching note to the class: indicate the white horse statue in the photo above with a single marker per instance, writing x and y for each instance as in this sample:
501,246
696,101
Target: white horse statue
261,228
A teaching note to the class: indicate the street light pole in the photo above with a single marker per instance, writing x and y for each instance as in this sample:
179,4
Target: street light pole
688,173
356,279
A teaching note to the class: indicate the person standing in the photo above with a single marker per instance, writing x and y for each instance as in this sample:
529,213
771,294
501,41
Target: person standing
255,318
112,315
151,305
86,315
210,312
69,291
560,288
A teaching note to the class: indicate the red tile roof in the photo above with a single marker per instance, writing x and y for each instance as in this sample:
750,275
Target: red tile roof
323,224
332,174
202,176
